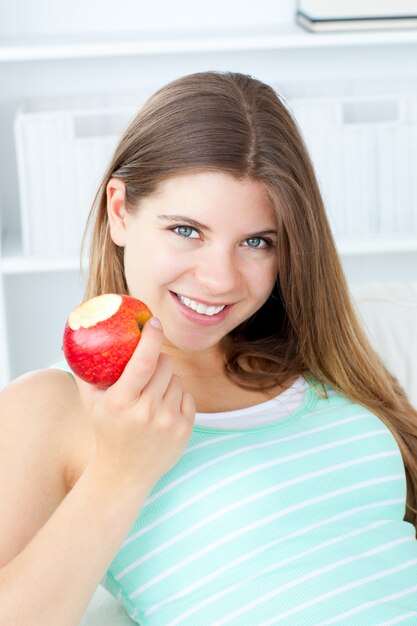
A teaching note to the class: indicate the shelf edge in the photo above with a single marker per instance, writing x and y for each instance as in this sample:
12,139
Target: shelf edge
290,38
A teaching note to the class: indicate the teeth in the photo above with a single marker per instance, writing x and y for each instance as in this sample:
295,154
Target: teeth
200,308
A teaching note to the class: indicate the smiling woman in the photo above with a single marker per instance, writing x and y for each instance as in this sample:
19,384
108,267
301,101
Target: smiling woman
255,462
207,268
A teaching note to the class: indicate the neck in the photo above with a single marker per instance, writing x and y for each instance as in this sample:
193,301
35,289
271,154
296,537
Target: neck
199,365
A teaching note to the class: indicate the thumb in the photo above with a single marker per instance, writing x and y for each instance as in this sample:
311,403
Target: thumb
141,365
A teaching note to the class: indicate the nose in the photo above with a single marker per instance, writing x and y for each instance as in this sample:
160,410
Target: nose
218,273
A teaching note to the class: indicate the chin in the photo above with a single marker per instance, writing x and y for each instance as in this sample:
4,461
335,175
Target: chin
193,343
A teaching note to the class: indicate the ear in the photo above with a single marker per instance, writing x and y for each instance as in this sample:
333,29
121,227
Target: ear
117,215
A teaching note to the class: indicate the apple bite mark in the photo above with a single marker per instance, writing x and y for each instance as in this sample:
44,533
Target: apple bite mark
94,310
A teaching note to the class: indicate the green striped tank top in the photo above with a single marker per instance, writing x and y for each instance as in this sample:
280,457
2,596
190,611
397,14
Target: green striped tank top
295,522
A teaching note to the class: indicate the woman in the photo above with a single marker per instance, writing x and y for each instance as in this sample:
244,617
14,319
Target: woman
255,463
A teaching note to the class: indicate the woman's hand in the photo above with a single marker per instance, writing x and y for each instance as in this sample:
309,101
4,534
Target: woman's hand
142,422
141,425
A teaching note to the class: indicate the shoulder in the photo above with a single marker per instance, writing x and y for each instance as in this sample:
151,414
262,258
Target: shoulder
45,442
42,394
40,384
42,410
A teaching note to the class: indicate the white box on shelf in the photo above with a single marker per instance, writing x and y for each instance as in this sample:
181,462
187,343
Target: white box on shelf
364,151
63,148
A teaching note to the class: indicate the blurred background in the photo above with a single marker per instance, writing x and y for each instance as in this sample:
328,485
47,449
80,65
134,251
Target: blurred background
73,74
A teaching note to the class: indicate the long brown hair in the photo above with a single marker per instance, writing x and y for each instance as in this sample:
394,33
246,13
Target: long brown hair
231,122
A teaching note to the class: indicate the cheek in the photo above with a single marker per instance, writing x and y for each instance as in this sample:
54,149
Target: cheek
149,267
263,279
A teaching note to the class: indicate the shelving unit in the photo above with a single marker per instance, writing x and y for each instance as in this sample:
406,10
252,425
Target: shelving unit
36,294
288,37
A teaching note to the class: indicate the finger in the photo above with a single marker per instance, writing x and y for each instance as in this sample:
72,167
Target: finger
158,384
89,394
188,408
141,366
174,391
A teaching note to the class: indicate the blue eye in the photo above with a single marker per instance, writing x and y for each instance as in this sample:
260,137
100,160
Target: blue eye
254,239
186,228
257,240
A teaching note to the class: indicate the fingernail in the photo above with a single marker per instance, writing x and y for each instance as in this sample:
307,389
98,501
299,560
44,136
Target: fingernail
155,322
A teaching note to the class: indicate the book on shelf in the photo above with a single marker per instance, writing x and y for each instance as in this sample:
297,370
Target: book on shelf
338,15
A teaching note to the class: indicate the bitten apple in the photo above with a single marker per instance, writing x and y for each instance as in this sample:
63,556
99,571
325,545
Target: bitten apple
101,335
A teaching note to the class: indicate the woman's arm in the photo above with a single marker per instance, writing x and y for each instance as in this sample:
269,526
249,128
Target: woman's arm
139,429
51,581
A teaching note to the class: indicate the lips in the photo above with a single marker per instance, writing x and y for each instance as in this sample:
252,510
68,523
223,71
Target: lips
200,318
200,301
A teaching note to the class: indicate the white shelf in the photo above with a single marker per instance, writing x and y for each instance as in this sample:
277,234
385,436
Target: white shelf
377,245
34,265
190,41
13,262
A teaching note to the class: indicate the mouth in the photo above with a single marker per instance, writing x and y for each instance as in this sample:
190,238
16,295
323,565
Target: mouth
199,306
206,316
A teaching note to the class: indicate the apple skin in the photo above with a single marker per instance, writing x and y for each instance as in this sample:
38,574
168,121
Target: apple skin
101,335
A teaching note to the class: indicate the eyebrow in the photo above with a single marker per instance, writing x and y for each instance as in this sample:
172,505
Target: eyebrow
199,225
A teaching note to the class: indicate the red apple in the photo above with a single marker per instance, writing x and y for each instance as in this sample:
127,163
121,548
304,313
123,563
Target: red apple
101,334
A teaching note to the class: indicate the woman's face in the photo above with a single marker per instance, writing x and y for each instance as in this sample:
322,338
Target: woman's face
229,259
